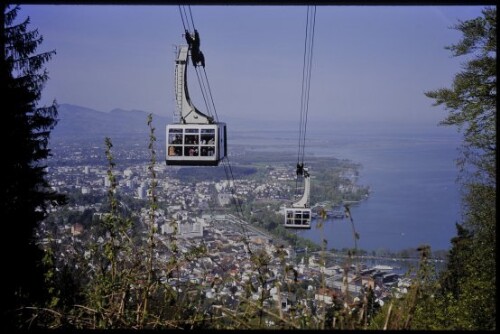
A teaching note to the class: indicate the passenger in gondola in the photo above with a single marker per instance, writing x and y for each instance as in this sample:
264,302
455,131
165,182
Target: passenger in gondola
174,151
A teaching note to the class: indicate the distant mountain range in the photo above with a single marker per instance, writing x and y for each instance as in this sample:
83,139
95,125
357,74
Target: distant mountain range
82,122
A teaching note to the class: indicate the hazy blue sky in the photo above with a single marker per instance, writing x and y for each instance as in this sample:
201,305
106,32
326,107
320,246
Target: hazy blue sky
370,63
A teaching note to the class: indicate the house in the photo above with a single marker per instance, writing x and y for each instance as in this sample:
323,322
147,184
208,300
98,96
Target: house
325,295
76,229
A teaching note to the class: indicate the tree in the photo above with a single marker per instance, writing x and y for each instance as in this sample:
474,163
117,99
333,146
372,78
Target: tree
25,193
468,289
471,101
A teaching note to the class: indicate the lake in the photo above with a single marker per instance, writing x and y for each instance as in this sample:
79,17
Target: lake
414,198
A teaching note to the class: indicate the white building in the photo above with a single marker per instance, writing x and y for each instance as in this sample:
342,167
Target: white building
224,199
142,192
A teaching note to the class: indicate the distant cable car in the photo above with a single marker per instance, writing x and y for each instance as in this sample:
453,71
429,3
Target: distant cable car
196,140
298,215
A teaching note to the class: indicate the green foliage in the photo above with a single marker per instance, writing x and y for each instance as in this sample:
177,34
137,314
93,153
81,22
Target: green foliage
403,312
25,195
471,101
467,297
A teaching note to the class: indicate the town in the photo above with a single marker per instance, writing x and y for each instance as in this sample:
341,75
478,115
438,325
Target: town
199,213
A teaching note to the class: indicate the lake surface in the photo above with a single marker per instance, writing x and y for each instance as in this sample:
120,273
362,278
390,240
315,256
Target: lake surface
415,199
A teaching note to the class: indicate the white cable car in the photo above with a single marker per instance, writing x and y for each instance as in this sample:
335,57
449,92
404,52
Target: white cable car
196,140
298,215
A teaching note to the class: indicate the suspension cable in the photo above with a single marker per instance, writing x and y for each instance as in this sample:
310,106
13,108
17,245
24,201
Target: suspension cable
188,24
306,79
211,96
310,47
184,17
306,85
206,92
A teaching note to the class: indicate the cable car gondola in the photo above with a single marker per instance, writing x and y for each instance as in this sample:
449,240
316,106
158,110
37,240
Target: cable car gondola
196,139
298,215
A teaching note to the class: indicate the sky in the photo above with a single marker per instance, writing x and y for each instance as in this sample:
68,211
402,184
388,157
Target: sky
371,64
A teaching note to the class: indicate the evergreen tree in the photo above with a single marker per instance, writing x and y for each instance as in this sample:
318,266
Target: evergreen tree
468,291
457,260
25,193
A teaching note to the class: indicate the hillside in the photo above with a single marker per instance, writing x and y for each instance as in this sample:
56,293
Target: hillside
86,123
81,122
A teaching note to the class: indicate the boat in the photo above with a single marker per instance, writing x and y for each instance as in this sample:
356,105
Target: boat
336,212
